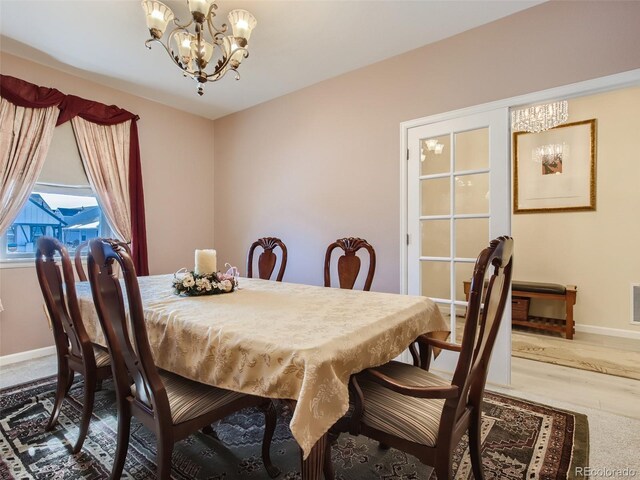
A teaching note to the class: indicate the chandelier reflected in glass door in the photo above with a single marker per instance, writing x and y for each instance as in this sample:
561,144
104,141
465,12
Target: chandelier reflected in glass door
192,45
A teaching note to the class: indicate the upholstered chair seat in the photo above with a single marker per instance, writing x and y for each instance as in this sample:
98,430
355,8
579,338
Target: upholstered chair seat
411,418
189,399
102,356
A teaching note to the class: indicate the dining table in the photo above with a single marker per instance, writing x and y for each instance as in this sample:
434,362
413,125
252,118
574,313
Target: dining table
279,340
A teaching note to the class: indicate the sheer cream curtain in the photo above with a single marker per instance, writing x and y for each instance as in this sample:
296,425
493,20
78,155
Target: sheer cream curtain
25,136
104,150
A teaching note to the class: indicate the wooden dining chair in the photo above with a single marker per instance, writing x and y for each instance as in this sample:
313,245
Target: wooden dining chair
349,263
78,260
80,253
172,406
74,349
411,409
267,259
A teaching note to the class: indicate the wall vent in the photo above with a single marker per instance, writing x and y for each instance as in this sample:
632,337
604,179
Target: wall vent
635,303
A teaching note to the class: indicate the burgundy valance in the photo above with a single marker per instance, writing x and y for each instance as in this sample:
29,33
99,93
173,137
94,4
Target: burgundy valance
25,94
28,95
94,112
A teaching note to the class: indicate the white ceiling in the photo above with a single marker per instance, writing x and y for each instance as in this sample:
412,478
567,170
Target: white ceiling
296,43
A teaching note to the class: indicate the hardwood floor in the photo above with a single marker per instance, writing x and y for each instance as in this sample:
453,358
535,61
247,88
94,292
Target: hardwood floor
599,391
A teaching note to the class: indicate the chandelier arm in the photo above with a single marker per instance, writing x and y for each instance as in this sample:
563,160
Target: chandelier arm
191,73
223,66
218,74
215,32
176,22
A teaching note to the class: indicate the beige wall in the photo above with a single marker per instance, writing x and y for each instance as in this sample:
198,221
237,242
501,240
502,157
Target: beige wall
174,167
597,251
323,162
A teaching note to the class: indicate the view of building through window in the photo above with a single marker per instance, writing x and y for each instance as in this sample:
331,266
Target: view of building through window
72,219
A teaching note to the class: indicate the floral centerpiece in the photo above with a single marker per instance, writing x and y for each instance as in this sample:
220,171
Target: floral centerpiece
194,284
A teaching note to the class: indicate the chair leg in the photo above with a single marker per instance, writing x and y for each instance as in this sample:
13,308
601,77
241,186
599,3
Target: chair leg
475,446
443,467
87,409
61,390
163,459
124,427
329,472
70,377
270,420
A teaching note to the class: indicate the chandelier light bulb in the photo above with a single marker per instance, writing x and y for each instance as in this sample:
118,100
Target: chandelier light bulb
439,148
242,23
199,9
185,52
158,15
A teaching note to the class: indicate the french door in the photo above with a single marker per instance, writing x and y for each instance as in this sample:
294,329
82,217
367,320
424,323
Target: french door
458,198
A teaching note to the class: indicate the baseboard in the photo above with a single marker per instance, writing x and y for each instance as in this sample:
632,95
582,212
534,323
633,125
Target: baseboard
28,355
612,332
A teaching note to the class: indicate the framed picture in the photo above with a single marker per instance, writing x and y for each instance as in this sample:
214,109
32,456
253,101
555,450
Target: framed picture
555,170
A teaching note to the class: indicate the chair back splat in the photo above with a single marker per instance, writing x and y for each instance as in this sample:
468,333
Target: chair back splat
66,322
349,263
130,362
74,349
82,276
484,315
267,259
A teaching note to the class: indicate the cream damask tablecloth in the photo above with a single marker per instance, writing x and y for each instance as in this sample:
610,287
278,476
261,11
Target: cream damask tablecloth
278,340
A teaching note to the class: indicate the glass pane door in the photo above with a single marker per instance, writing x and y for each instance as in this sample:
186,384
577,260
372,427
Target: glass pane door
457,201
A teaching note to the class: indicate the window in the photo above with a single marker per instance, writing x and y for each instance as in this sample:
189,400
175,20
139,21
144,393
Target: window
61,205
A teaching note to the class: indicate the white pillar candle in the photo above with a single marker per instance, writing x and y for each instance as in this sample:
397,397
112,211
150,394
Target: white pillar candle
205,262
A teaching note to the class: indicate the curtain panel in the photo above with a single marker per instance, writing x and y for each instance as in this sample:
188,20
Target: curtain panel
25,136
26,94
104,150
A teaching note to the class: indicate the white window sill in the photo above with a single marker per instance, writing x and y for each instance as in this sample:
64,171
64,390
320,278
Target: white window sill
17,263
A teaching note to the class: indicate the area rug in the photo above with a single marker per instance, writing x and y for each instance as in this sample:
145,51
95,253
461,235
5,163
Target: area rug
572,353
521,440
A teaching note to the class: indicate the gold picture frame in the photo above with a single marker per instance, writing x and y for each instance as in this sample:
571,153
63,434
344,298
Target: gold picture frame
555,170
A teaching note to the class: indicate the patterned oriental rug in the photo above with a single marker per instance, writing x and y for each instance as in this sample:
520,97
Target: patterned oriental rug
521,440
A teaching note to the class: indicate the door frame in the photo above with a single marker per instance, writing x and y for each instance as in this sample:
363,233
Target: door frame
588,87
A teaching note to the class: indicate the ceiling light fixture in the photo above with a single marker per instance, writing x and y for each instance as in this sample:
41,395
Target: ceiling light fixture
540,117
191,50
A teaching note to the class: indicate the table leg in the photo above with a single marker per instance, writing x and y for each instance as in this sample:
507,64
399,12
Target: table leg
312,466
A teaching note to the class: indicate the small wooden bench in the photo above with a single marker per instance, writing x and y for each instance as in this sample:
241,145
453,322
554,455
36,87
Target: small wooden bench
522,292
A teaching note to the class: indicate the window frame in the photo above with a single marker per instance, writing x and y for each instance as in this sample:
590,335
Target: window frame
25,259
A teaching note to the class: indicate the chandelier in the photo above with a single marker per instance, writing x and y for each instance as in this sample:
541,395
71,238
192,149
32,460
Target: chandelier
191,45
540,117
